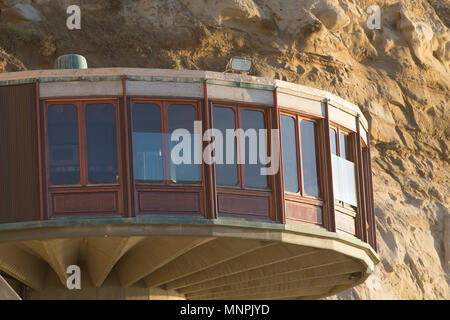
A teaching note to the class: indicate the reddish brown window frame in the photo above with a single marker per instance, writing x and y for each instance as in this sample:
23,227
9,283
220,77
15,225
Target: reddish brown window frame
238,108
84,187
351,149
301,195
80,106
164,105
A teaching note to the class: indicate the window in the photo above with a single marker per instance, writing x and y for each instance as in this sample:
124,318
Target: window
289,154
309,158
243,170
254,121
147,142
64,161
333,141
299,152
340,143
226,173
344,174
153,125
82,161
344,151
183,117
101,143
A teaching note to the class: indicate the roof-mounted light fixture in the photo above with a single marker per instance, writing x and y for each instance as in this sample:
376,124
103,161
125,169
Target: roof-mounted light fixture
239,64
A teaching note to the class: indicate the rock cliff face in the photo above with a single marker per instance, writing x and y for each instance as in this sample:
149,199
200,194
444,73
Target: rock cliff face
399,75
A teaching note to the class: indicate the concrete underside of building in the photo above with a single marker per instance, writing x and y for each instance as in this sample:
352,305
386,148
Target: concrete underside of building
225,259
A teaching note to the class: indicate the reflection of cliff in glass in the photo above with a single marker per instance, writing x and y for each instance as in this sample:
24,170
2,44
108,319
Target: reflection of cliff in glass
101,143
64,162
309,158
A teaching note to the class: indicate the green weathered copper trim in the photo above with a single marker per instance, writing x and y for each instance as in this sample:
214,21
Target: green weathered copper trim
181,220
164,79
16,82
83,78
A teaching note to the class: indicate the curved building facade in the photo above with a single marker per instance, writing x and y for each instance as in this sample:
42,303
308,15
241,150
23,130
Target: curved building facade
114,170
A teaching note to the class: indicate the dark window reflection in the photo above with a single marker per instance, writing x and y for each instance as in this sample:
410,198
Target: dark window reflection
309,161
147,142
254,121
289,154
64,160
226,174
183,117
101,142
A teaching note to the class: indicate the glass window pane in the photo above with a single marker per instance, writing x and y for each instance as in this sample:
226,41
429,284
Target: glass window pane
289,153
183,117
147,142
226,174
253,121
344,146
344,180
333,141
309,158
101,139
62,132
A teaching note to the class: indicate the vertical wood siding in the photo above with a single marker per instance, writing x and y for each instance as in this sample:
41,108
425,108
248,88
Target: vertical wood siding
19,180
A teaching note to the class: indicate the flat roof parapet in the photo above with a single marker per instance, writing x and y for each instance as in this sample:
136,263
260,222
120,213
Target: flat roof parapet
170,75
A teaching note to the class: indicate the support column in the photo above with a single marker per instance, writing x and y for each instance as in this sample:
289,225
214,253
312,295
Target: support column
330,193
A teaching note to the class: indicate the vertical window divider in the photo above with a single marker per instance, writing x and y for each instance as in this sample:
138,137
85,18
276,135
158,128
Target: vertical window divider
120,149
331,209
360,182
164,130
338,142
81,106
272,180
237,115
209,185
126,181
130,150
39,148
280,182
299,156
370,200
323,167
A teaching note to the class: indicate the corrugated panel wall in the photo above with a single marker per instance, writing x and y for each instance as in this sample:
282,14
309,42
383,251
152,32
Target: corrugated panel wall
19,180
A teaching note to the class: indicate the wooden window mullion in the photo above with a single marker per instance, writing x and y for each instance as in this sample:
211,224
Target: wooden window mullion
82,143
165,147
338,142
299,157
240,167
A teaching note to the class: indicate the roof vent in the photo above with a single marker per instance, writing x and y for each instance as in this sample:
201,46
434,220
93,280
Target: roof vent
71,61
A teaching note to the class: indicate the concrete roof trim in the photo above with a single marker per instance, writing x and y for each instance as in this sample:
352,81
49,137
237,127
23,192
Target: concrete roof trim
95,74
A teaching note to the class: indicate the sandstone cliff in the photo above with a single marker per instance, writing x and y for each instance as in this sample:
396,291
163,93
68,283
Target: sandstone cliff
399,75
